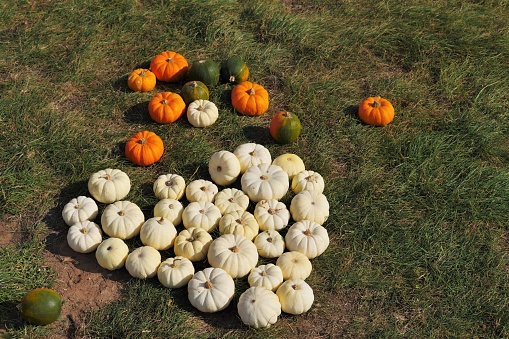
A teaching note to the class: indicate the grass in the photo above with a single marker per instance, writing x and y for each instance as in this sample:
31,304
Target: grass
419,208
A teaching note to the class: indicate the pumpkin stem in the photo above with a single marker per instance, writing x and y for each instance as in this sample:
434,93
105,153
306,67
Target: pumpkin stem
251,91
78,206
264,177
232,78
142,74
202,211
272,211
208,284
161,221
175,263
142,141
296,287
234,249
287,114
190,239
219,169
307,232
263,274
376,104
239,221
168,183
309,178
84,231
106,176
164,102
269,239
231,200
121,213
169,60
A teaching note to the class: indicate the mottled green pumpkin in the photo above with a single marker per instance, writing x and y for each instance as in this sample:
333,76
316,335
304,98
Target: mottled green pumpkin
285,127
41,306
206,71
234,70
194,90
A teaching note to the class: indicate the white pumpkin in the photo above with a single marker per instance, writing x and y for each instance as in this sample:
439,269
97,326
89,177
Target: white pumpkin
310,205
169,186
122,219
192,244
233,253
211,290
308,238
264,182
259,307
79,209
290,163
271,214
143,262
201,190
159,233
308,180
169,209
268,276
252,154
202,113
201,214
270,244
294,265
175,272
224,168
84,236
112,253
296,296
231,199
109,185
237,222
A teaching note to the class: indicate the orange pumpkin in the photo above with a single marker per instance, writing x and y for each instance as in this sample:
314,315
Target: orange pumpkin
166,107
141,80
144,148
250,99
169,66
376,111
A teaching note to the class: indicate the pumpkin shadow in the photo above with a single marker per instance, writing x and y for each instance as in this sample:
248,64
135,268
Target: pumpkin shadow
351,111
258,134
138,113
120,84
10,315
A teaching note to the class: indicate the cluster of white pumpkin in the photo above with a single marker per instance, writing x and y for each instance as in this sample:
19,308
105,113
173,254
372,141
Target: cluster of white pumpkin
244,236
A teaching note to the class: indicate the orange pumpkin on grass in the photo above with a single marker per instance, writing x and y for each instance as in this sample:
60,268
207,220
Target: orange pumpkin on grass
169,66
376,111
141,80
144,148
166,107
249,98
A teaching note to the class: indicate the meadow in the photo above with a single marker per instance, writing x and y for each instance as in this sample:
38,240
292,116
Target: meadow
419,209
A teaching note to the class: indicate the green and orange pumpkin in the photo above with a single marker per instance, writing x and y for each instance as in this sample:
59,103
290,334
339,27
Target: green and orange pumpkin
41,306
285,127
234,70
194,90
206,71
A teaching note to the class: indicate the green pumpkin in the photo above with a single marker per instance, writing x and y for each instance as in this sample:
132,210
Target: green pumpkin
206,71
285,127
41,306
194,90
234,70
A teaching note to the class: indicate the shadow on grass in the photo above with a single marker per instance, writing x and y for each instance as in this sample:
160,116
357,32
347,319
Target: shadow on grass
138,113
351,111
258,134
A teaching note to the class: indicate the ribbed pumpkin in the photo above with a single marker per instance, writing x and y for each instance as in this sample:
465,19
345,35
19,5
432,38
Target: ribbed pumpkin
234,70
169,66
41,306
166,107
285,127
194,90
376,111
141,80
206,71
144,148
250,99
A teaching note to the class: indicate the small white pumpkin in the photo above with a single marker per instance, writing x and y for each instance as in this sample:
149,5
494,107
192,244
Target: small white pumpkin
193,244
310,205
175,272
252,154
169,186
143,262
79,209
231,199
308,180
211,290
237,222
224,168
290,163
271,214
169,209
294,265
308,238
122,219
112,253
201,190
84,236
296,296
233,253
201,214
202,113
268,276
109,185
264,182
270,244
259,307
159,233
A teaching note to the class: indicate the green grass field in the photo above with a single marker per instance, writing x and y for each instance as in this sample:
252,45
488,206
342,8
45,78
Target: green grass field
419,208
